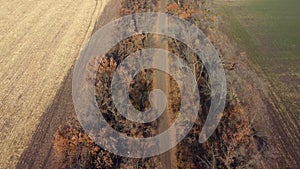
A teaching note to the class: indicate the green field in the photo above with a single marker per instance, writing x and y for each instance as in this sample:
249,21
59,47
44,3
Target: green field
268,30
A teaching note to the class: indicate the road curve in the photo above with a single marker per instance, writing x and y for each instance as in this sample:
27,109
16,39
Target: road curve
40,40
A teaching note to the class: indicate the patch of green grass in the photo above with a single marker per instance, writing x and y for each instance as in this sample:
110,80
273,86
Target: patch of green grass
240,35
268,30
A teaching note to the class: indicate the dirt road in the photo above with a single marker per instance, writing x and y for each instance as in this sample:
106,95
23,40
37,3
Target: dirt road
40,41
161,81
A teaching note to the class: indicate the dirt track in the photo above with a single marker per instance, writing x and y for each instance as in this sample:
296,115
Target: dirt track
161,81
40,41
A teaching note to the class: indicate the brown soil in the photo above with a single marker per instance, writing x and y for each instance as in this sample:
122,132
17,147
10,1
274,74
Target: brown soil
40,41
39,153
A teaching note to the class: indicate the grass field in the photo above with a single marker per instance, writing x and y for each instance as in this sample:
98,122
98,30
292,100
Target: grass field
268,30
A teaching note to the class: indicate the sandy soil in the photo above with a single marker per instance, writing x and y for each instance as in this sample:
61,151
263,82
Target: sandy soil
40,41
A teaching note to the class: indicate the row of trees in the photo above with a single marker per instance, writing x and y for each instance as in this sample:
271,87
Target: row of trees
231,146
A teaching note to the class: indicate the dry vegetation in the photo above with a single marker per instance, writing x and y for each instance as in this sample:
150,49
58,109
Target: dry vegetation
231,146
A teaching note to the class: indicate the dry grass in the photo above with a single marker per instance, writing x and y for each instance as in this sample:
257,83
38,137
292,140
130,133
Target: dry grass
39,44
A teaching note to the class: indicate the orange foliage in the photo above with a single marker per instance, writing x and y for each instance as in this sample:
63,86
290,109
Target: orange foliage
184,15
173,7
